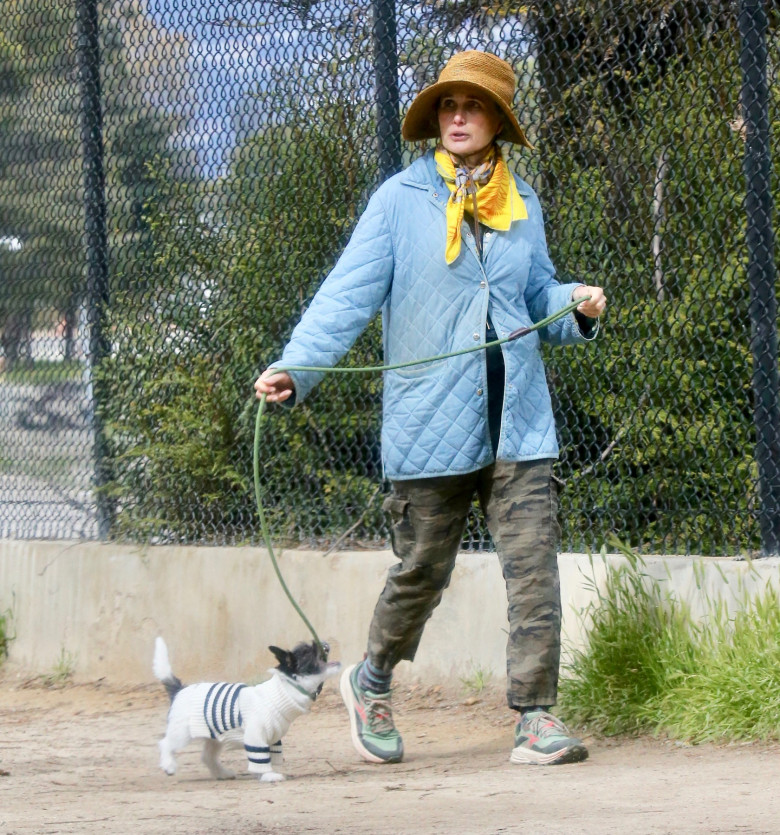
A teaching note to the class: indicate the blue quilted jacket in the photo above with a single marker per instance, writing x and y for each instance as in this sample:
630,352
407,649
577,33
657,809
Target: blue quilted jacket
435,416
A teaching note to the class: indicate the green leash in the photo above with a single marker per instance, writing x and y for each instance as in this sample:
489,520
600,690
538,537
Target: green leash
520,332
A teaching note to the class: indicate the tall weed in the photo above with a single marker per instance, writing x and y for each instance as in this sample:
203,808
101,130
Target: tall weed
649,666
6,633
735,692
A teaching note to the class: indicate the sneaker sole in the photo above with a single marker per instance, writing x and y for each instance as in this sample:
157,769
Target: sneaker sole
348,698
525,756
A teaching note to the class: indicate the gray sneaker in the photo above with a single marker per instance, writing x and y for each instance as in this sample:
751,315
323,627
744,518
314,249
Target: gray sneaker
374,734
542,739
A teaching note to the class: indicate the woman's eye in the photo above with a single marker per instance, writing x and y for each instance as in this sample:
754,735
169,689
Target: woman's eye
452,105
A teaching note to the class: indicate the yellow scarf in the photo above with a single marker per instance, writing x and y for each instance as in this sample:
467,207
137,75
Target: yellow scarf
498,202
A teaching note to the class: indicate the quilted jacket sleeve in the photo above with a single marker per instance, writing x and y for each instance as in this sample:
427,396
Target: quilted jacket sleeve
544,295
347,300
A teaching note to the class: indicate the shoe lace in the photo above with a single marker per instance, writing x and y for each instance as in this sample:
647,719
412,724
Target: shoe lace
544,724
379,716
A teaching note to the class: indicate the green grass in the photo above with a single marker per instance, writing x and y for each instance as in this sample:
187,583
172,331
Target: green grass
650,667
63,670
475,683
6,633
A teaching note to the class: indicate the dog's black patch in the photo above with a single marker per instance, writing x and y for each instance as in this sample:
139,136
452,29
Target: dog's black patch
172,686
303,660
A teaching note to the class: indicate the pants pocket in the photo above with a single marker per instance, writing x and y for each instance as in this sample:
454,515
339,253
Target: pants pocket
397,507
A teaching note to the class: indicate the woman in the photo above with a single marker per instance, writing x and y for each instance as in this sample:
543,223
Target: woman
453,251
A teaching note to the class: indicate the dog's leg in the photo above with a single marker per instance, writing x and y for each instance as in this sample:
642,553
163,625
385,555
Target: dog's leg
276,761
210,758
276,754
177,736
167,760
260,763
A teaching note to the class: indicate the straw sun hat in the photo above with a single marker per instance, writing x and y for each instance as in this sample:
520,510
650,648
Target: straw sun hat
486,73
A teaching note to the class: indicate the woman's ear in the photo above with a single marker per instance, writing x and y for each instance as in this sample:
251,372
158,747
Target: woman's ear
501,121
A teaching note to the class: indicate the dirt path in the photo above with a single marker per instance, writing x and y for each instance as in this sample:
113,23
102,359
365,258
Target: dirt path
83,759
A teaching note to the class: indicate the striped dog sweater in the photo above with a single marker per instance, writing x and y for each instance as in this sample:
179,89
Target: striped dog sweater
236,714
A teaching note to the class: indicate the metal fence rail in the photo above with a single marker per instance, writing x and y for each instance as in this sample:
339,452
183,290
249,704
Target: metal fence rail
178,176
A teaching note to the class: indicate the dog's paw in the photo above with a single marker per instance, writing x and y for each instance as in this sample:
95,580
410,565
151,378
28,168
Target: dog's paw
271,777
168,765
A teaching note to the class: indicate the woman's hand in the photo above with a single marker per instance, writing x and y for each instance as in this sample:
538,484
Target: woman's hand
595,306
276,385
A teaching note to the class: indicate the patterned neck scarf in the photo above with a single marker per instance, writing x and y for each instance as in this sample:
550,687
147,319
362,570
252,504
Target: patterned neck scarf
487,192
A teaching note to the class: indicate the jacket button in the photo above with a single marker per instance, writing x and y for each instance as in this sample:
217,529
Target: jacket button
479,392
435,193
482,284
476,337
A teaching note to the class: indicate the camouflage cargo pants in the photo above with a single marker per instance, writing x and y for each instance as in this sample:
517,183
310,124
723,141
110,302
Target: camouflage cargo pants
428,519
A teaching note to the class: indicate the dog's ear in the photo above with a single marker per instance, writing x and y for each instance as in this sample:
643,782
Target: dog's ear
286,659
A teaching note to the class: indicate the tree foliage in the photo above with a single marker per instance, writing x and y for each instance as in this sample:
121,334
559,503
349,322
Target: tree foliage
41,202
643,179
639,168
634,109
226,278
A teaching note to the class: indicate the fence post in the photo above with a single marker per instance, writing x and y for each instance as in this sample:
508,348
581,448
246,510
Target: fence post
753,26
388,122
96,240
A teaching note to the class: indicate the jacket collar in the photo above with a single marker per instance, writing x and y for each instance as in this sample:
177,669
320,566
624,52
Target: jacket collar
422,173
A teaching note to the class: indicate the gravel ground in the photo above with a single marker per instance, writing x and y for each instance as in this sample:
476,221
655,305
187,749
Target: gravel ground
83,759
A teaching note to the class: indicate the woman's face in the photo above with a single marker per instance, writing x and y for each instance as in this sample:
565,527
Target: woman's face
468,123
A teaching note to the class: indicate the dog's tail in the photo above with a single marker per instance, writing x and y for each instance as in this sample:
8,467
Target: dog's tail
162,669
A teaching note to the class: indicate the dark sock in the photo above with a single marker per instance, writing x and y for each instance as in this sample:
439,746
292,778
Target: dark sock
531,708
370,678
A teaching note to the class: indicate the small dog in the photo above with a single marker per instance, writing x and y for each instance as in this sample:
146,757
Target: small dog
235,715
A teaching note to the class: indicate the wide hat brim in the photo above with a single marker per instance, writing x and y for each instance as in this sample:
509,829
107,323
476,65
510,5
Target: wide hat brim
422,123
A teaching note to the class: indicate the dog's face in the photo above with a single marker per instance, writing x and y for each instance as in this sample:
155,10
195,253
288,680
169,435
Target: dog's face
305,665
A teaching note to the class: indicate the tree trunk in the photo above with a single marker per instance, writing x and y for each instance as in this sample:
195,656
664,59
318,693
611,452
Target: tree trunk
17,339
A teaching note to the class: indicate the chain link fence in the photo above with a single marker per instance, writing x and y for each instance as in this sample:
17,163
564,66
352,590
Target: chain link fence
178,176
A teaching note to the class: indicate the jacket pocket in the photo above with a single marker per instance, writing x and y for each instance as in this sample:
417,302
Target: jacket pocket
425,369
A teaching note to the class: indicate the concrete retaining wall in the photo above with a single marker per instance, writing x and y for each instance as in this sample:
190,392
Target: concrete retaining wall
99,606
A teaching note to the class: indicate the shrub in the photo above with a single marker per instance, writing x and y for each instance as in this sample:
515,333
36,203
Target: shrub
650,667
